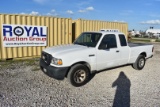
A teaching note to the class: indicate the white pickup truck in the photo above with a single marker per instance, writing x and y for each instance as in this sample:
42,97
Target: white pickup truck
92,52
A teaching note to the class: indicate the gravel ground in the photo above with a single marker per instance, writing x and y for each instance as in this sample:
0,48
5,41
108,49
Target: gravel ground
23,84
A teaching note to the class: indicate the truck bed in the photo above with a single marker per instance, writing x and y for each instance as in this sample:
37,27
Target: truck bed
137,44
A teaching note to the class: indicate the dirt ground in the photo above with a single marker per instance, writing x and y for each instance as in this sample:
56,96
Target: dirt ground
23,84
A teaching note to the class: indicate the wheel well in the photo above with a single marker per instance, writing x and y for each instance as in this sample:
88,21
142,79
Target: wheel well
83,63
144,54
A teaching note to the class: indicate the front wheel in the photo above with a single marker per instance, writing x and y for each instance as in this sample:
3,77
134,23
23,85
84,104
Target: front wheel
78,75
140,63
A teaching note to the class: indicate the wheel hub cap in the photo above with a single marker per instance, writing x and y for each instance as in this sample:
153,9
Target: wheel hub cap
141,62
79,76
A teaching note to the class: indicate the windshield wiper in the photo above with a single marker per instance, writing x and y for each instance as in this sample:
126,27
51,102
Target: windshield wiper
80,44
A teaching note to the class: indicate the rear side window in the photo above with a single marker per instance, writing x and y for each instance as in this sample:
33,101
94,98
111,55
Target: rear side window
122,40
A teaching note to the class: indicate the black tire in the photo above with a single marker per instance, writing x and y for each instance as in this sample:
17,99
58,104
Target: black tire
140,63
75,73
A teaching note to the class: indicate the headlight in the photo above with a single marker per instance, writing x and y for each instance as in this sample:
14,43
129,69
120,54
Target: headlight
56,61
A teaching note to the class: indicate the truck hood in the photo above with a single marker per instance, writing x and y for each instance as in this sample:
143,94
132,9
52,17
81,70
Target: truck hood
64,49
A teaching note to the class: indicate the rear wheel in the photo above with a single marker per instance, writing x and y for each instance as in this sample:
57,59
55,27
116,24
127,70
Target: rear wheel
78,75
140,63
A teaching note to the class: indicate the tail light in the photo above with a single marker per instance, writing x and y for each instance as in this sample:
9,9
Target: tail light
152,49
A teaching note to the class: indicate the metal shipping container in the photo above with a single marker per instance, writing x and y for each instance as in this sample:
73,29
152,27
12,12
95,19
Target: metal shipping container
81,25
59,31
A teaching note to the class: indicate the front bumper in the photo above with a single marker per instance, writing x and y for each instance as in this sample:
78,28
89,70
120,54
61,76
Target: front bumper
58,73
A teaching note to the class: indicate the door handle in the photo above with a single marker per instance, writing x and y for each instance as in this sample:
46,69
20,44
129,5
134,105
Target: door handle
117,51
91,55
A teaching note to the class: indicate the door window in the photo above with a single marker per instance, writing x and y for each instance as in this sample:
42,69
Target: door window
109,40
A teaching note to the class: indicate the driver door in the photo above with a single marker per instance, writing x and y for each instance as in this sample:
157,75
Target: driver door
108,53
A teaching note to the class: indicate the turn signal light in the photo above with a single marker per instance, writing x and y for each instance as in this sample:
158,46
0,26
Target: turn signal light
59,62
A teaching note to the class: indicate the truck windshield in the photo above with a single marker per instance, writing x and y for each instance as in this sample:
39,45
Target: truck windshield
88,39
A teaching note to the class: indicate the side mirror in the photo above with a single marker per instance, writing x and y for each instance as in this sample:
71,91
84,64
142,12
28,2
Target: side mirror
103,46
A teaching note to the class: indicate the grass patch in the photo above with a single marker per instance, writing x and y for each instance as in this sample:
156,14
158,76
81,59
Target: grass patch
25,62
158,40
6,63
36,68
144,40
140,40
9,62
30,62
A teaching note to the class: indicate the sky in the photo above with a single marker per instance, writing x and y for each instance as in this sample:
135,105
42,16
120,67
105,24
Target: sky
139,14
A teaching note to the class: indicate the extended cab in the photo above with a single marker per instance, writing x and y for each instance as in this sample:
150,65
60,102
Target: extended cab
92,52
